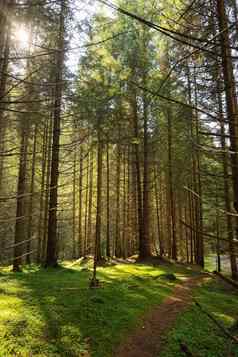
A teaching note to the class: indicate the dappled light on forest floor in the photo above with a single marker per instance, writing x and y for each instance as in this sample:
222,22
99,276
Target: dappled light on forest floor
61,314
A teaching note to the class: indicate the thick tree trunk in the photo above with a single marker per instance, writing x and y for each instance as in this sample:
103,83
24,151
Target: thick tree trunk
231,107
51,254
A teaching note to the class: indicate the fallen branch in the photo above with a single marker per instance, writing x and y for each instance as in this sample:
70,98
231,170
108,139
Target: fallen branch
217,323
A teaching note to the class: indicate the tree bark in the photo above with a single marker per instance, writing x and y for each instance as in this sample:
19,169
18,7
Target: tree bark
51,254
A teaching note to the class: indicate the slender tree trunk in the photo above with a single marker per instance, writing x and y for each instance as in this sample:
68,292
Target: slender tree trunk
97,244
99,199
31,200
159,231
47,190
145,245
124,238
90,198
108,251
3,85
42,191
218,247
200,243
86,205
171,189
118,250
138,176
74,205
21,191
80,193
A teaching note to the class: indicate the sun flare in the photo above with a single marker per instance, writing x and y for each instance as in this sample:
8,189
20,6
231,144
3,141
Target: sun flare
22,36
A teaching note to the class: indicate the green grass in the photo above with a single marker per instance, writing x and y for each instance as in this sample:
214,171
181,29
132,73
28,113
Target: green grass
198,332
50,313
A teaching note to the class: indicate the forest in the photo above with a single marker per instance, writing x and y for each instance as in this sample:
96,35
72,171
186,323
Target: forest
118,178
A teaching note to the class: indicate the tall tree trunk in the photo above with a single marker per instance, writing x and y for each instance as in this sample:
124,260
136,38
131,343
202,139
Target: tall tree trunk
200,243
20,224
145,244
171,189
21,192
138,176
225,157
87,238
74,205
42,191
3,85
90,198
47,191
51,255
108,248
157,204
31,199
99,199
97,243
124,237
80,193
231,106
118,247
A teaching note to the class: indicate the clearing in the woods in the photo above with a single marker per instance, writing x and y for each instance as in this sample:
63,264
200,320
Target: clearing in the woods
138,310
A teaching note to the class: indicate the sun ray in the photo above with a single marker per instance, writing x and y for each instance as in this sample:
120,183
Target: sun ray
22,37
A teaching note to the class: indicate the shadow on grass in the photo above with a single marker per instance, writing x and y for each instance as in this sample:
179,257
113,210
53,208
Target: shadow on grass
54,312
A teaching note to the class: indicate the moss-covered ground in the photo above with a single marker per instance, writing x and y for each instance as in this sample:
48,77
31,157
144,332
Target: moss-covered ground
53,312
197,331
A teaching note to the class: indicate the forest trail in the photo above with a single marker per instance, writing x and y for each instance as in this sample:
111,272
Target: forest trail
148,337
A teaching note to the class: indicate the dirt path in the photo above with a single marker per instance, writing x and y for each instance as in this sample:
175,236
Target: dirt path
146,340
